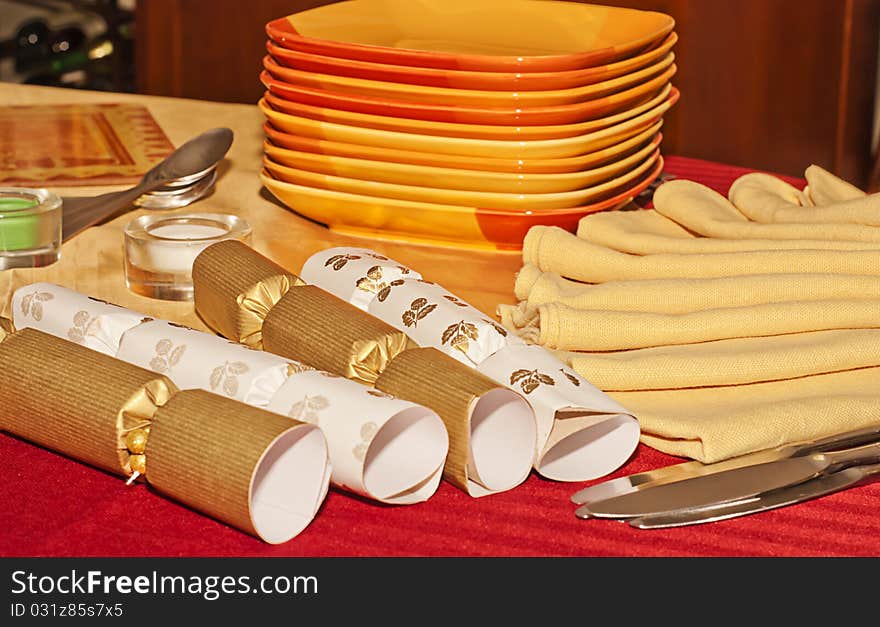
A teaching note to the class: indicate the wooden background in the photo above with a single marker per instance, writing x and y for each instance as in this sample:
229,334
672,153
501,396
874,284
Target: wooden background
766,84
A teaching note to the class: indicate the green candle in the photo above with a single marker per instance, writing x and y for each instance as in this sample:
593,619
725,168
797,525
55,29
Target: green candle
30,227
19,225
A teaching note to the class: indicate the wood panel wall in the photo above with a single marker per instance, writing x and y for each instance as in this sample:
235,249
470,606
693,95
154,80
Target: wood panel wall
766,84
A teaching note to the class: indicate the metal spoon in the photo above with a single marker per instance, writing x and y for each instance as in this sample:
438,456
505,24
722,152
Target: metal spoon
192,157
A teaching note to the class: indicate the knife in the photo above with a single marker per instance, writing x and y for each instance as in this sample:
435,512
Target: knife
667,474
813,488
730,485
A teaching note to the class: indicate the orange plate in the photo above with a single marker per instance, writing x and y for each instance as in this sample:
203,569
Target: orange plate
438,225
452,129
492,164
478,98
484,36
458,79
531,116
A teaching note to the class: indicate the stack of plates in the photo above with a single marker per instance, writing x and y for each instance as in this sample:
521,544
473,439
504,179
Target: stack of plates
460,122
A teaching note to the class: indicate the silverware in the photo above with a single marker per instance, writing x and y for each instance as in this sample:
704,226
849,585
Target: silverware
667,474
189,160
819,486
730,485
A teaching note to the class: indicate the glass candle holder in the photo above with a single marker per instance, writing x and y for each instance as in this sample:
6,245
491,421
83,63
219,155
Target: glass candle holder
30,227
160,250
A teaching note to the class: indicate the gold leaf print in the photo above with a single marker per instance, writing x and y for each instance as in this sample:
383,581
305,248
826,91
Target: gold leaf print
530,380
385,291
455,300
403,270
338,261
176,355
32,304
167,356
359,452
82,322
418,309
308,409
574,380
497,327
227,376
230,386
368,430
237,367
296,367
216,377
459,334
377,256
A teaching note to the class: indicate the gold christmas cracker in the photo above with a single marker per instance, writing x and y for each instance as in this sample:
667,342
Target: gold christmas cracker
74,400
332,335
429,377
205,450
236,289
202,449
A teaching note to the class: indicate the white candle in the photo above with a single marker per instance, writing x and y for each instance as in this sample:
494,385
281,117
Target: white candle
160,251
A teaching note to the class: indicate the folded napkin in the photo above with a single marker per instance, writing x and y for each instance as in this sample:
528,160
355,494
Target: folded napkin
725,325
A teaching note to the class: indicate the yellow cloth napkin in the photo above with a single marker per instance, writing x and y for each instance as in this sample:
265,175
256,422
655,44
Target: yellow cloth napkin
765,198
725,328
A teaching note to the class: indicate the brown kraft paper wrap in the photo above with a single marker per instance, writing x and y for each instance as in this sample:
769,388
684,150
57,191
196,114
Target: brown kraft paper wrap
227,459
73,400
491,428
331,334
239,464
235,289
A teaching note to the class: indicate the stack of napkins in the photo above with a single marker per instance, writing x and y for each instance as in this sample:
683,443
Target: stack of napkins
727,325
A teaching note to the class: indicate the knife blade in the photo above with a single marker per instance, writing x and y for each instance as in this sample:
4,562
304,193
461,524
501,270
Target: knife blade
675,472
730,485
789,495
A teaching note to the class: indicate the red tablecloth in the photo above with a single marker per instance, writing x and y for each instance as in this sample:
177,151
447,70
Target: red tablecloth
53,506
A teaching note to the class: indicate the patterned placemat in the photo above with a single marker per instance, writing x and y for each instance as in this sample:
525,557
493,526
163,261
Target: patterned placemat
78,144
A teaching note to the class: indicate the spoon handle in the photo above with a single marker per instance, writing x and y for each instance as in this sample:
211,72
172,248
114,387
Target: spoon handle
79,214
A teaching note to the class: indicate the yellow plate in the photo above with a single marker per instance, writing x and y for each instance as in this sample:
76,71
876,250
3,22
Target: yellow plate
465,97
452,129
452,178
484,36
486,164
465,198
443,225
538,149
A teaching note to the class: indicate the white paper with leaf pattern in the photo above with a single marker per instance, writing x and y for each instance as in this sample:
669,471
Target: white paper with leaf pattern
196,360
72,316
380,447
596,433
356,275
433,317
582,433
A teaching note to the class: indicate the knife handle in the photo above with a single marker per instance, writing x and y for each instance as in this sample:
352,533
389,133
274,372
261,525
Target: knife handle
840,441
860,455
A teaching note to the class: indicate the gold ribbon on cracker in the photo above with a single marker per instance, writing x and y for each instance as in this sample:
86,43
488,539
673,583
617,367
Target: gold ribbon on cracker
237,289
336,336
